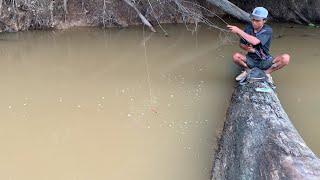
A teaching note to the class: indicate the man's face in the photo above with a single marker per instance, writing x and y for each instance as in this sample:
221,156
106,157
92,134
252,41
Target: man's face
257,24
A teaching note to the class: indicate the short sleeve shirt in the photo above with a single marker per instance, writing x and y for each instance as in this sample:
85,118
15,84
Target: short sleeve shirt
265,37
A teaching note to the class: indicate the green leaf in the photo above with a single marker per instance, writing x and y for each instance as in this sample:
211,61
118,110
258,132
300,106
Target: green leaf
313,25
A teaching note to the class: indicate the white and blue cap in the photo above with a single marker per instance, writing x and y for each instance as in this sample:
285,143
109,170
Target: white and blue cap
259,13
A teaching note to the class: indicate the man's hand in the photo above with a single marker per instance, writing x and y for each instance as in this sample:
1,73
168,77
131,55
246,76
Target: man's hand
248,48
249,38
234,29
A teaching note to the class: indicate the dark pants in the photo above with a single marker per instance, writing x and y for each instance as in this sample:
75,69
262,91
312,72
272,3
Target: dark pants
262,64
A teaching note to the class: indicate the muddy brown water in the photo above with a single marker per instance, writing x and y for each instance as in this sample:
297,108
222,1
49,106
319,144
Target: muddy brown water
127,104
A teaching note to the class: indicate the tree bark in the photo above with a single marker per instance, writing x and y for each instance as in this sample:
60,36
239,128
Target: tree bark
231,9
258,140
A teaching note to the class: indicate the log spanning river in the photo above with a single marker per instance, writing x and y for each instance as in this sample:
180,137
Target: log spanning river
129,104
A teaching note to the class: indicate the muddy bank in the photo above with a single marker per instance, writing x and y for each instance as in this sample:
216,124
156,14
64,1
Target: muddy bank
19,15
62,14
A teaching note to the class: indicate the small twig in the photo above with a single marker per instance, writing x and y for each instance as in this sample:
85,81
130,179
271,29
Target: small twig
104,13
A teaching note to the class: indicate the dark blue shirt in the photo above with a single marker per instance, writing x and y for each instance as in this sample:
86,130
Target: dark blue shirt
264,35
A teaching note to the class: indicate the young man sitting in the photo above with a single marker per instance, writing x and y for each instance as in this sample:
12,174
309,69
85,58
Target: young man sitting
256,41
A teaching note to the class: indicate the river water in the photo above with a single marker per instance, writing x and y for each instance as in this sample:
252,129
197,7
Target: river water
129,104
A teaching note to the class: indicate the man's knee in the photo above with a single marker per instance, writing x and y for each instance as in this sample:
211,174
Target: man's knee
237,57
285,59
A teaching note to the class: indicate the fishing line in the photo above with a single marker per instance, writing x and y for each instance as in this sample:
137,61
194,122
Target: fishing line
147,68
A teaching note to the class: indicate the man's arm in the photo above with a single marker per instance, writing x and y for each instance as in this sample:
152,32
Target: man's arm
250,39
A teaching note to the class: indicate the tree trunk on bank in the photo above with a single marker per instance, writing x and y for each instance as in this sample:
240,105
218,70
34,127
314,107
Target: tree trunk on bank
258,140
231,9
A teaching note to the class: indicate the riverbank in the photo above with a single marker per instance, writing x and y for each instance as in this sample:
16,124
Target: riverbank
21,15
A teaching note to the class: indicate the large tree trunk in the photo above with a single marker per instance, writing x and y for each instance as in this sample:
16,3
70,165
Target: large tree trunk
231,9
258,140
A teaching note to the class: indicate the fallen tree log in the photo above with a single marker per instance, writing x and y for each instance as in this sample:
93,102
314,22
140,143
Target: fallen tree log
258,140
231,9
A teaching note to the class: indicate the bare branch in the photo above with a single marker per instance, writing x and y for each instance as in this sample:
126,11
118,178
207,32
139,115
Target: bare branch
1,1
143,19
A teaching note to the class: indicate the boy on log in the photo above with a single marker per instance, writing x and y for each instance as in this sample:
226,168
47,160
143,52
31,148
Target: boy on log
256,40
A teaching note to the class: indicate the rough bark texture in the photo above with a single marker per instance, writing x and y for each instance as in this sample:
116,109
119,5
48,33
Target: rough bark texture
258,140
231,9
